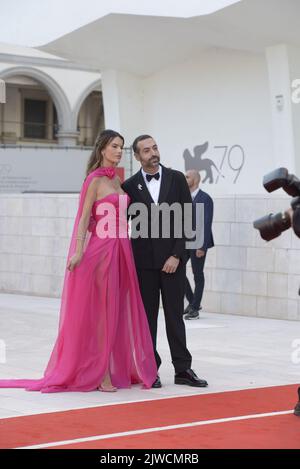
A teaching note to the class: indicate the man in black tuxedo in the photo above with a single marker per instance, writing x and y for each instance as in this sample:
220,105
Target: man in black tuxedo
161,261
198,256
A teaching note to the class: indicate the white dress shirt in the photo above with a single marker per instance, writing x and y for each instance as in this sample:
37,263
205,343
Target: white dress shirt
193,194
153,186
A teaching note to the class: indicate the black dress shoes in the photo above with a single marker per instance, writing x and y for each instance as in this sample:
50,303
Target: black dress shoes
187,310
157,383
190,378
192,314
297,408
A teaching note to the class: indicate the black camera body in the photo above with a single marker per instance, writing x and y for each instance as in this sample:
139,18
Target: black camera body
271,226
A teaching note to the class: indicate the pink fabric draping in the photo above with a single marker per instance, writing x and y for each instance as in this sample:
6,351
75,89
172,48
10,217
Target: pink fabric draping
103,324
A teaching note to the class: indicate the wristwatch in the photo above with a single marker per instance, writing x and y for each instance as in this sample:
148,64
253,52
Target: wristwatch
176,256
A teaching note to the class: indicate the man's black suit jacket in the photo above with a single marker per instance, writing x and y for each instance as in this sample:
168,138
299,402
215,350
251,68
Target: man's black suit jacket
152,253
204,198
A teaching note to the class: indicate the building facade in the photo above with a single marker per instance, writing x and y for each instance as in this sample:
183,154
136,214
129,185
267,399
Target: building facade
220,93
49,122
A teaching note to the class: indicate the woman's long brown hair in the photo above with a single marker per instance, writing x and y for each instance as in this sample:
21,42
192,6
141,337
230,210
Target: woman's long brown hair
103,139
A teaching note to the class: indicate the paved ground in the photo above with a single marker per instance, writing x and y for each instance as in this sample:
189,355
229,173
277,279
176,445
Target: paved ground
231,352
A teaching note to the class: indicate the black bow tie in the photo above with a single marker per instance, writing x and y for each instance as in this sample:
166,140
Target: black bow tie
150,176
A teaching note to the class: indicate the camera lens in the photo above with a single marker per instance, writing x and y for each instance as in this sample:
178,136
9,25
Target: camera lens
271,226
296,221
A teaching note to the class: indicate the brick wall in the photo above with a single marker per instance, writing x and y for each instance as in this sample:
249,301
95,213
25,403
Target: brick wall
244,274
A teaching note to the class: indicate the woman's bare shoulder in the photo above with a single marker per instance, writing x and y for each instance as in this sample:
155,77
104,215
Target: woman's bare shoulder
95,184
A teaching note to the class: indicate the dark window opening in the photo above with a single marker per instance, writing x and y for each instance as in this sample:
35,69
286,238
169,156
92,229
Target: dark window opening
35,119
54,124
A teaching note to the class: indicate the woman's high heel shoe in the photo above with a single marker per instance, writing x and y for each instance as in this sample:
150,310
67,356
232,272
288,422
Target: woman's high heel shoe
106,385
107,388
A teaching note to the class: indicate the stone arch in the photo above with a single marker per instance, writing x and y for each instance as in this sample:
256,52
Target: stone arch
92,87
58,96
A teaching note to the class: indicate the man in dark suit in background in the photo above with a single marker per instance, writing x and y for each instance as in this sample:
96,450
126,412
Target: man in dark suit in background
161,261
198,256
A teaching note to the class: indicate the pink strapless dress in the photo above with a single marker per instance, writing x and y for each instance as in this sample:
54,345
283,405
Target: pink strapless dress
104,325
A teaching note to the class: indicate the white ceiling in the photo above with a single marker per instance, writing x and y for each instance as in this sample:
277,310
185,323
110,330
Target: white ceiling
145,44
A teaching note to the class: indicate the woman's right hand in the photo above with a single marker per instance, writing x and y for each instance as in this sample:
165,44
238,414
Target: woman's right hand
74,261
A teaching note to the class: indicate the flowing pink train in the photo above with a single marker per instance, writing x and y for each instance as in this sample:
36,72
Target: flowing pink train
103,324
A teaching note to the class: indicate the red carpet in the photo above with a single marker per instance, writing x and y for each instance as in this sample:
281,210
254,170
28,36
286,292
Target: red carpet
279,431
267,433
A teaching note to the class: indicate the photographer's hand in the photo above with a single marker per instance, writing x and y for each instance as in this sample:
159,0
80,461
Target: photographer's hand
290,212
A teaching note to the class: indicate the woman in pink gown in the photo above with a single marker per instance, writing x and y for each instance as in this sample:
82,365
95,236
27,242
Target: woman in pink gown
103,340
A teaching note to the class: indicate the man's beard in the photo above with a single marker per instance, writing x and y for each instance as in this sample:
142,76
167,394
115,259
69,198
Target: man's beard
153,160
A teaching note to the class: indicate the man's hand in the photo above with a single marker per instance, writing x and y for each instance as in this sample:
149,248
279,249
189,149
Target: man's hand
171,265
290,213
200,253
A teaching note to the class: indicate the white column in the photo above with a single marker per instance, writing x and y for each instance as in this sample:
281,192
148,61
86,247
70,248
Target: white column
294,61
110,93
67,137
123,104
283,63
2,92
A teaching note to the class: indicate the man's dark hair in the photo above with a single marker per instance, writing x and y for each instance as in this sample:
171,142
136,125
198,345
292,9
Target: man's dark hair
137,140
